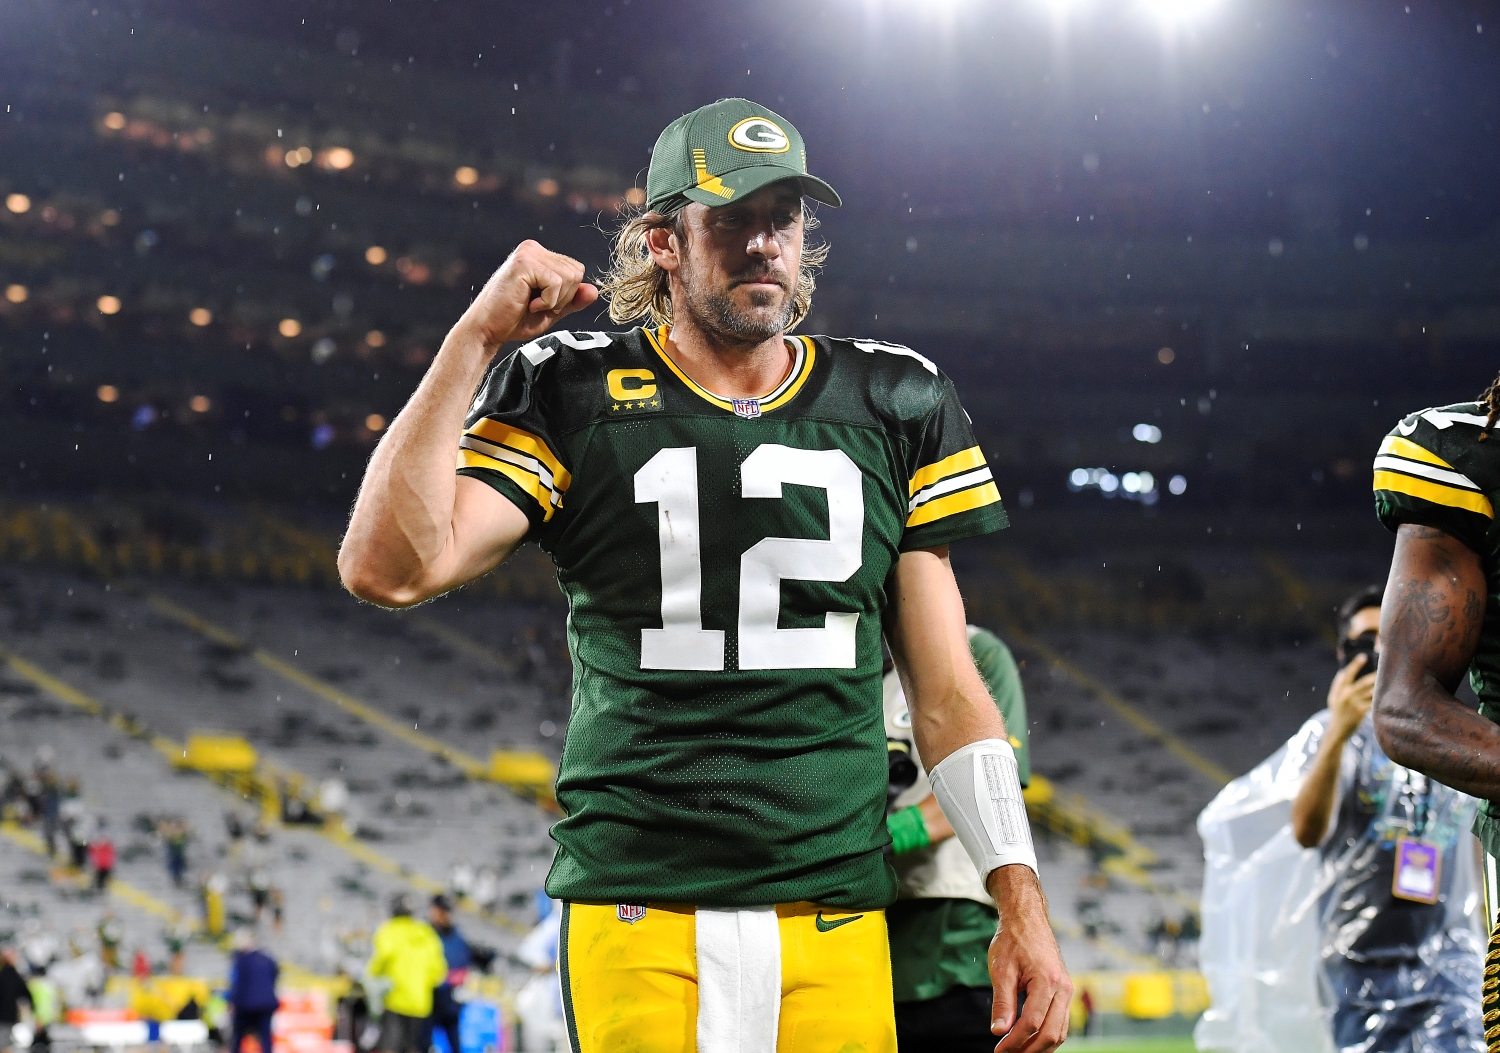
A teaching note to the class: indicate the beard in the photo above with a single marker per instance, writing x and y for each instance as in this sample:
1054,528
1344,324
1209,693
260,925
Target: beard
716,313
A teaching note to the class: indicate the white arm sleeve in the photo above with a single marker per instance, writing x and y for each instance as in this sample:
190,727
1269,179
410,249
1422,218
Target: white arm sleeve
979,790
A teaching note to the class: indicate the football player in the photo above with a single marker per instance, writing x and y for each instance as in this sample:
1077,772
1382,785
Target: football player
1437,478
736,516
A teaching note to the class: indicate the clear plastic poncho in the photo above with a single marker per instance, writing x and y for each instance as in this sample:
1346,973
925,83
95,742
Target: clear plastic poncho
1289,932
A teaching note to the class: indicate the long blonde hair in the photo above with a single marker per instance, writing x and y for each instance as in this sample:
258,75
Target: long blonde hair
637,288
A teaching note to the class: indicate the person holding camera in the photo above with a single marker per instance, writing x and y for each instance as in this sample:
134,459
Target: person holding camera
1400,960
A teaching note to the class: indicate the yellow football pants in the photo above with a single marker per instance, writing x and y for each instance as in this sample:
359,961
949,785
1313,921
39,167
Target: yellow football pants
632,986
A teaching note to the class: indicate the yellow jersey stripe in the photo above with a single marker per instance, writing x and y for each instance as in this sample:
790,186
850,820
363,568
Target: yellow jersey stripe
961,461
532,484
658,337
506,435
807,366
1400,447
963,501
1437,493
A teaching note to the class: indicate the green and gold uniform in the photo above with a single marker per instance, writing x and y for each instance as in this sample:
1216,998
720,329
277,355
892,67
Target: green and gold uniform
726,565
1433,470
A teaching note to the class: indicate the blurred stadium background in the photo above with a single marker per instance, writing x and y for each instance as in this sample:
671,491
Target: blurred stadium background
1187,260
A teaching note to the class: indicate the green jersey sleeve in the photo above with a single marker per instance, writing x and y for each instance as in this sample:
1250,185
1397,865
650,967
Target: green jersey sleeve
1437,476
953,495
997,666
507,441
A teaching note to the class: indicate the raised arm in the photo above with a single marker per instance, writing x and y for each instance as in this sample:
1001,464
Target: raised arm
1429,628
418,529
1349,698
951,708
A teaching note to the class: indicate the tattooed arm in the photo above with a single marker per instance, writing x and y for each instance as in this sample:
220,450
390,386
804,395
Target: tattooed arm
1429,628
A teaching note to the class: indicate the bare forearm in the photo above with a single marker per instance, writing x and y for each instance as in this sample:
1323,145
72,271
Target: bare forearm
1430,624
1422,726
950,705
1314,801
402,524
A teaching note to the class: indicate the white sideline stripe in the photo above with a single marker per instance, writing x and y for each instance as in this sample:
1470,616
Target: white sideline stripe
739,980
1442,475
948,485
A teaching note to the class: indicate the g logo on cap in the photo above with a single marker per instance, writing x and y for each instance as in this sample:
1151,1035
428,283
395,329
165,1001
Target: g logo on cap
759,135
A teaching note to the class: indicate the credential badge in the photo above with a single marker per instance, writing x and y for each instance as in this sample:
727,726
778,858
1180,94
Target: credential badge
630,913
747,408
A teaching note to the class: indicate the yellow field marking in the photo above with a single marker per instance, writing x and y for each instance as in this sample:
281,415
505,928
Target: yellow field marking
171,750
1296,591
1132,716
471,766
466,644
121,890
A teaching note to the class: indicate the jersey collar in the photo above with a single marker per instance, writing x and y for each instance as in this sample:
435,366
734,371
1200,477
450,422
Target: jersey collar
802,368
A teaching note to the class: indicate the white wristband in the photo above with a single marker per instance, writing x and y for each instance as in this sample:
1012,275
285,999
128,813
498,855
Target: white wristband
979,790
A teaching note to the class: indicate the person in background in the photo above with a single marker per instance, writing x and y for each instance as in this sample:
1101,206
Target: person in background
408,955
942,924
13,994
111,933
49,802
102,855
1398,980
174,835
539,1004
252,992
46,1007
445,1005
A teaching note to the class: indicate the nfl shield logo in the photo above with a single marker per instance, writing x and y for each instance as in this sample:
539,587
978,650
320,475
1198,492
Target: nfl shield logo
630,913
747,408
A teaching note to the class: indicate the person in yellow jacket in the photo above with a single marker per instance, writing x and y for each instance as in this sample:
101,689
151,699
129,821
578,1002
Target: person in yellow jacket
409,957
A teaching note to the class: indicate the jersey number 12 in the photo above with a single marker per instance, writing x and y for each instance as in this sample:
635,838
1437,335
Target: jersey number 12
670,481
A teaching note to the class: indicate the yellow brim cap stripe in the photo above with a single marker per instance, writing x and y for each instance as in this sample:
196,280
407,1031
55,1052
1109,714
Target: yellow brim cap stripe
506,435
963,501
962,461
1437,493
1400,447
516,474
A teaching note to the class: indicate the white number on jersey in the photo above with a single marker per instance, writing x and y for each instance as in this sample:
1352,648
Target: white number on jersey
670,481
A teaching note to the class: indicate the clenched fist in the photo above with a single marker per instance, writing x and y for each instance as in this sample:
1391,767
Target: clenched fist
533,288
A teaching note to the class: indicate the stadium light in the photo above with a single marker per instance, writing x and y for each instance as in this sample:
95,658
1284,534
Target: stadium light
1174,13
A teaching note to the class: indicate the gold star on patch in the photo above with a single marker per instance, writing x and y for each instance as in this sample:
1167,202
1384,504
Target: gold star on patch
617,405
655,403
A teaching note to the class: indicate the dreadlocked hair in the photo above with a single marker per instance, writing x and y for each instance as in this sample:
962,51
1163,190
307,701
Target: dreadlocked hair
1490,400
637,288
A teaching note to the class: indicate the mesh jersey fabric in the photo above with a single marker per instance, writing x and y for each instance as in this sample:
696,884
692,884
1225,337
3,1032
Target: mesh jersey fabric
1433,470
725,573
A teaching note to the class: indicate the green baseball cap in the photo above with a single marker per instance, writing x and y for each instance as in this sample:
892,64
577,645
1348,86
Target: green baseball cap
725,151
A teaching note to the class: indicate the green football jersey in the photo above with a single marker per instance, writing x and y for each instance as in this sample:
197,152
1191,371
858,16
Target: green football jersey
726,564
1433,470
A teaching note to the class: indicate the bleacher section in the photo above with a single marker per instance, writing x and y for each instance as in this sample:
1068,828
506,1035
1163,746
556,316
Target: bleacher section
1134,725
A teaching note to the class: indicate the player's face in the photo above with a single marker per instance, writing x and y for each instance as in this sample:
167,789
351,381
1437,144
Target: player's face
737,270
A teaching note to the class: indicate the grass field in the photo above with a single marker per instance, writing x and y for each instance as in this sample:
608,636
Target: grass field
1130,1045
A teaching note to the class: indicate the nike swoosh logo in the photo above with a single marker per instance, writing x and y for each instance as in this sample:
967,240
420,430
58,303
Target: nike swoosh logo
1406,429
829,926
